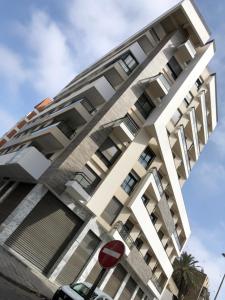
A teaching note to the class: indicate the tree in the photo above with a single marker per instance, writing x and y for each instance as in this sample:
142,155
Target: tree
184,274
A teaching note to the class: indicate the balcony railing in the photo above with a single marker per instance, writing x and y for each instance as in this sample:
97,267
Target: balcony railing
125,234
127,121
195,130
157,180
177,239
184,143
86,183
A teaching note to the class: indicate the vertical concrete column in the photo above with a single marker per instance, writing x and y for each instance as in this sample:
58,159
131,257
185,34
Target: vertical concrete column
135,293
106,279
120,290
21,212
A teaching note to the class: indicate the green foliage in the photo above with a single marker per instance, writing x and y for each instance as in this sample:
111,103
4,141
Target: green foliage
184,274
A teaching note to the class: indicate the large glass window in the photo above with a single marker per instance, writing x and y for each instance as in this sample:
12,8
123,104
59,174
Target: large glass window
108,152
130,181
128,62
112,210
144,105
174,67
146,157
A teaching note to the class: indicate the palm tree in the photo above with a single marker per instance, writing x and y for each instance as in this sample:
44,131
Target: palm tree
184,274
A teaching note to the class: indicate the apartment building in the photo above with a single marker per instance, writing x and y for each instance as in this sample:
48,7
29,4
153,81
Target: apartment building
107,158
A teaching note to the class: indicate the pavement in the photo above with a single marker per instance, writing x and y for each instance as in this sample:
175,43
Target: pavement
18,281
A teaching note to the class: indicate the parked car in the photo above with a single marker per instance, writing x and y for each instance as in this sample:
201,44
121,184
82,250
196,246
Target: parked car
77,291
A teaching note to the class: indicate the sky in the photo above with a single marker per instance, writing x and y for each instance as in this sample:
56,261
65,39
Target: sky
45,43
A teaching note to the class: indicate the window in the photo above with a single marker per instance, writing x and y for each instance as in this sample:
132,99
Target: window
160,234
128,226
112,210
153,218
188,98
155,268
176,117
145,200
108,152
138,243
174,67
144,105
88,106
88,179
128,62
147,258
146,157
130,181
154,34
199,83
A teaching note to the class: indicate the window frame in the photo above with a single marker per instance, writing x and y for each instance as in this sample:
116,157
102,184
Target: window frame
140,106
126,185
125,65
102,156
142,158
175,69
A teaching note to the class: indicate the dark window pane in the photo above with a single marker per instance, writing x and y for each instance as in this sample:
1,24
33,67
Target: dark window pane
144,105
146,157
130,182
138,243
147,258
160,234
108,152
154,218
145,200
199,83
174,67
112,211
128,62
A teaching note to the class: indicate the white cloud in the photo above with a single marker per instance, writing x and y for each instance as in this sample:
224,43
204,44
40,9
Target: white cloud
12,69
212,263
51,60
7,121
102,25
211,174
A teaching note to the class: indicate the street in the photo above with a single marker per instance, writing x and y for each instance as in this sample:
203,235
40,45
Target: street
8,291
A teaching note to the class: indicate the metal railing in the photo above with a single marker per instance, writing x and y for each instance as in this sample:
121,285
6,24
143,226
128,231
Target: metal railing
184,143
157,180
177,239
85,182
127,121
125,234
195,130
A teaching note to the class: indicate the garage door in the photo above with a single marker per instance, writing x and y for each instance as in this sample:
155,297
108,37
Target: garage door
44,234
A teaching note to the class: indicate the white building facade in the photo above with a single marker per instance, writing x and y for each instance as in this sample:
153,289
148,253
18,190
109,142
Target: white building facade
107,158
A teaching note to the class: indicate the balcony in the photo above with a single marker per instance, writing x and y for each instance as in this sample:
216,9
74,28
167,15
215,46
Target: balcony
158,86
186,51
125,128
25,165
136,260
81,187
192,132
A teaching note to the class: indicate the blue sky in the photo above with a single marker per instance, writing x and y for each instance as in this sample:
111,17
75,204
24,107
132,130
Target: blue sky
45,43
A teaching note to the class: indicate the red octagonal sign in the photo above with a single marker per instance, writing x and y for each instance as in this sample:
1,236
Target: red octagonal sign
110,254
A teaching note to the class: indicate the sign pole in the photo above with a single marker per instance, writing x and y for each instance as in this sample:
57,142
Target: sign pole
96,283
109,256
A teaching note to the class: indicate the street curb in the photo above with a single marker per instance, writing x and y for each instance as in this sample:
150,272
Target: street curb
23,287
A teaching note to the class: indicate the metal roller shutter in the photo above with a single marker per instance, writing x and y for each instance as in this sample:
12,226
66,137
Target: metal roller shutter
44,234
115,281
